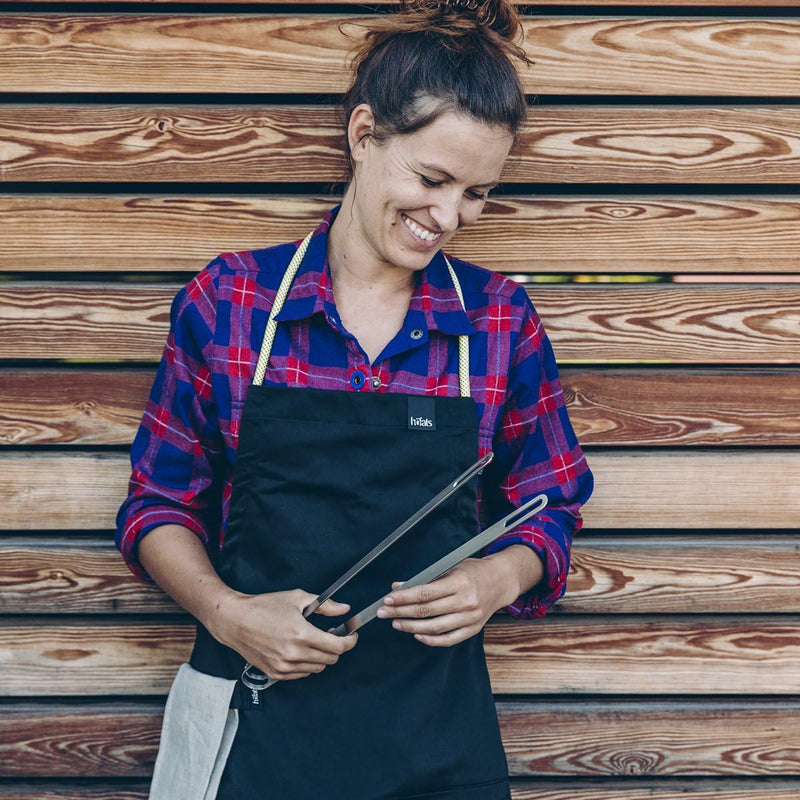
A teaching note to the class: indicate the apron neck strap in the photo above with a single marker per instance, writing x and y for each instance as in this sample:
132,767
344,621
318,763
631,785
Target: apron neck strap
283,291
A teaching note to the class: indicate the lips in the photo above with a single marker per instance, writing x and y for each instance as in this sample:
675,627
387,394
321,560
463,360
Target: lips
420,233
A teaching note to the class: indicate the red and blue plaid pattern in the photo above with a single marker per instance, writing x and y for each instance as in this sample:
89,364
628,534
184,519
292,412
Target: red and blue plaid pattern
184,451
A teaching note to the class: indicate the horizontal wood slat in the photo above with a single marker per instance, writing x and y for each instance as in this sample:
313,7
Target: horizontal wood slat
585,738
609,575
532,4
659,234
664,490
755,324
522,790
560,144
306,53
608,407
676,656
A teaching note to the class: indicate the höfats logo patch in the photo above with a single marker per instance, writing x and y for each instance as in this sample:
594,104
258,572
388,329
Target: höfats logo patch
421,413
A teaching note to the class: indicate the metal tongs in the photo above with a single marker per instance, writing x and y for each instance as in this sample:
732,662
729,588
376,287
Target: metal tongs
255,680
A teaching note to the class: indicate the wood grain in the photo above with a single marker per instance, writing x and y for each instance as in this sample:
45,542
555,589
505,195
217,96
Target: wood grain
608,407
678,574
675,656
587,738
640,407
560,144
750,324
95,790
664,490
609,575
542,235
307,53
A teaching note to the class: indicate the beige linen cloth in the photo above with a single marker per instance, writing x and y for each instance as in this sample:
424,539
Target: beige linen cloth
196,737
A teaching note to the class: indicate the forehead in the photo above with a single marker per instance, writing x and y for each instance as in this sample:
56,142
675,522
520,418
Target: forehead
465,148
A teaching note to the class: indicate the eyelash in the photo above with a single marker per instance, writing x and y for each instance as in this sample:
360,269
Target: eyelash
432,184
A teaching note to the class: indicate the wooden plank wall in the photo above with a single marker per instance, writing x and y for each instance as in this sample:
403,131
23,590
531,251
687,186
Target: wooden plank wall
652,212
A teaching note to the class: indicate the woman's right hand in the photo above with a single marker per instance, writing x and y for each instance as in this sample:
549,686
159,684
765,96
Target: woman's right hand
270,632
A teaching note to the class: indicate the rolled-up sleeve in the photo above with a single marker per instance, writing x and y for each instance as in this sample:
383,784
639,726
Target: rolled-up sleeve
536,451
175,454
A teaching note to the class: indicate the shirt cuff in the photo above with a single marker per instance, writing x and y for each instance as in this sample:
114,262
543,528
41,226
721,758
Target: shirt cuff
537,601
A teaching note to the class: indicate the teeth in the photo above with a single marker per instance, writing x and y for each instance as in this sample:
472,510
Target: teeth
422,233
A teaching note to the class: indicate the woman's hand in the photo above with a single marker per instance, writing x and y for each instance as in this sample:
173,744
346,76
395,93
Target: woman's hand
270,631
457,605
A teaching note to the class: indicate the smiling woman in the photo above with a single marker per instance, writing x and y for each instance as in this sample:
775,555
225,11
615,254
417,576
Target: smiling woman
284,438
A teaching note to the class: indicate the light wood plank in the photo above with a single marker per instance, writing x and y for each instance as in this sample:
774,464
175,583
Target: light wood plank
586,323
608,407
632,575
586,738
96,790
307,53
560,144
665,490
676,656
609,575
543,235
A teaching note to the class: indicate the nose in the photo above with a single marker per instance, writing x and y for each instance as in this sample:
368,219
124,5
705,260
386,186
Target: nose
446,212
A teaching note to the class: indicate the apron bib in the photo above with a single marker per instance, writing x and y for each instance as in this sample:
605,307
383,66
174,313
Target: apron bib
320,478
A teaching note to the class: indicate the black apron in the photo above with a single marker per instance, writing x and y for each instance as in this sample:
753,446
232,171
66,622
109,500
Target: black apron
320,478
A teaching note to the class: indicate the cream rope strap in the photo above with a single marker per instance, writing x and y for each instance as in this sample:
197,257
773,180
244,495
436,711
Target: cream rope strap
283,291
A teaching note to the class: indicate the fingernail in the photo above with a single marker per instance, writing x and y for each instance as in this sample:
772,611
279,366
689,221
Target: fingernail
397,625
388,601
382,612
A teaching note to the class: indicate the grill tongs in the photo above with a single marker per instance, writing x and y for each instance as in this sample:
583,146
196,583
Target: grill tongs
255,680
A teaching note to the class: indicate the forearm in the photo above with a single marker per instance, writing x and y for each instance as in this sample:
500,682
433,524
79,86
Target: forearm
178,562
518,568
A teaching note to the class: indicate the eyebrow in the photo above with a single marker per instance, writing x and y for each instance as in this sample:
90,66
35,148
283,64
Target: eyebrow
434,168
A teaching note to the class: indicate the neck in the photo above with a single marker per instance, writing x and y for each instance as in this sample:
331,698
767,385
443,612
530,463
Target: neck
354,263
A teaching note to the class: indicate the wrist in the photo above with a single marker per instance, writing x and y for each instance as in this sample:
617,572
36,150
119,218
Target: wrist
519,569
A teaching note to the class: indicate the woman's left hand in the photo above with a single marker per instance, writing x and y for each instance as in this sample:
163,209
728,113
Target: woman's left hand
457,605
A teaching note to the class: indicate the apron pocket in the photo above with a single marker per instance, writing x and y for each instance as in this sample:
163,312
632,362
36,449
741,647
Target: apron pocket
196,737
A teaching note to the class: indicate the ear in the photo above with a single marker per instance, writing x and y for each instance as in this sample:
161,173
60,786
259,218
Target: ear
359,129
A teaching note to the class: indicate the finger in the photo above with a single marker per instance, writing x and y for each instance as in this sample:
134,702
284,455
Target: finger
445,639
329,642
295,671
426,593
331,608
444,605
437,626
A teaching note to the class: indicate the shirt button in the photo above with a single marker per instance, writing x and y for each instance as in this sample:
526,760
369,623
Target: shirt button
332,320
376,382
357,379
416,334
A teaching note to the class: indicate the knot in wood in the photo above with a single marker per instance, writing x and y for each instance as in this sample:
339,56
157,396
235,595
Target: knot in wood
640,763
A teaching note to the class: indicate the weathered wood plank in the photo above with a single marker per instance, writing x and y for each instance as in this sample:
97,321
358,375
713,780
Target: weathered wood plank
560,144
642,407
631,575
609,575
608,407
307,53
661,323
772,789
44,233
666,490
586,738
675,656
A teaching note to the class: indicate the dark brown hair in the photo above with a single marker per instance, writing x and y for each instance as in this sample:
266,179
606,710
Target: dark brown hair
433,57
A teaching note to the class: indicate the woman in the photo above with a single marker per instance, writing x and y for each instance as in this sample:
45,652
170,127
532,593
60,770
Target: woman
380,371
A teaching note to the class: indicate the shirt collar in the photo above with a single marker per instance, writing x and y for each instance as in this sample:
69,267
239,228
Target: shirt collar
435,300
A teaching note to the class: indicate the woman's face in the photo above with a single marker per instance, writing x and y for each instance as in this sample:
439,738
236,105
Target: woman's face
412,192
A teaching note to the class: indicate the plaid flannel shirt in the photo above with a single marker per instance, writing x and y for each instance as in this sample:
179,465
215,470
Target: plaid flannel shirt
184,452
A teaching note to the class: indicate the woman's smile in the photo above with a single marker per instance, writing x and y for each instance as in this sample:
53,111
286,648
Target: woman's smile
423,236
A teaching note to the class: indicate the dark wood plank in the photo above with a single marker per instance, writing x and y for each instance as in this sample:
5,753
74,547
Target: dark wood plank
608,407
539,234
46,575
609,575
560,144
667,490
96,790
65,407
660,323
306,53
586,738
558,655
694,788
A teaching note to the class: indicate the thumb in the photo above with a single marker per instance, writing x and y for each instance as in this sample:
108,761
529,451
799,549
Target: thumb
330,608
